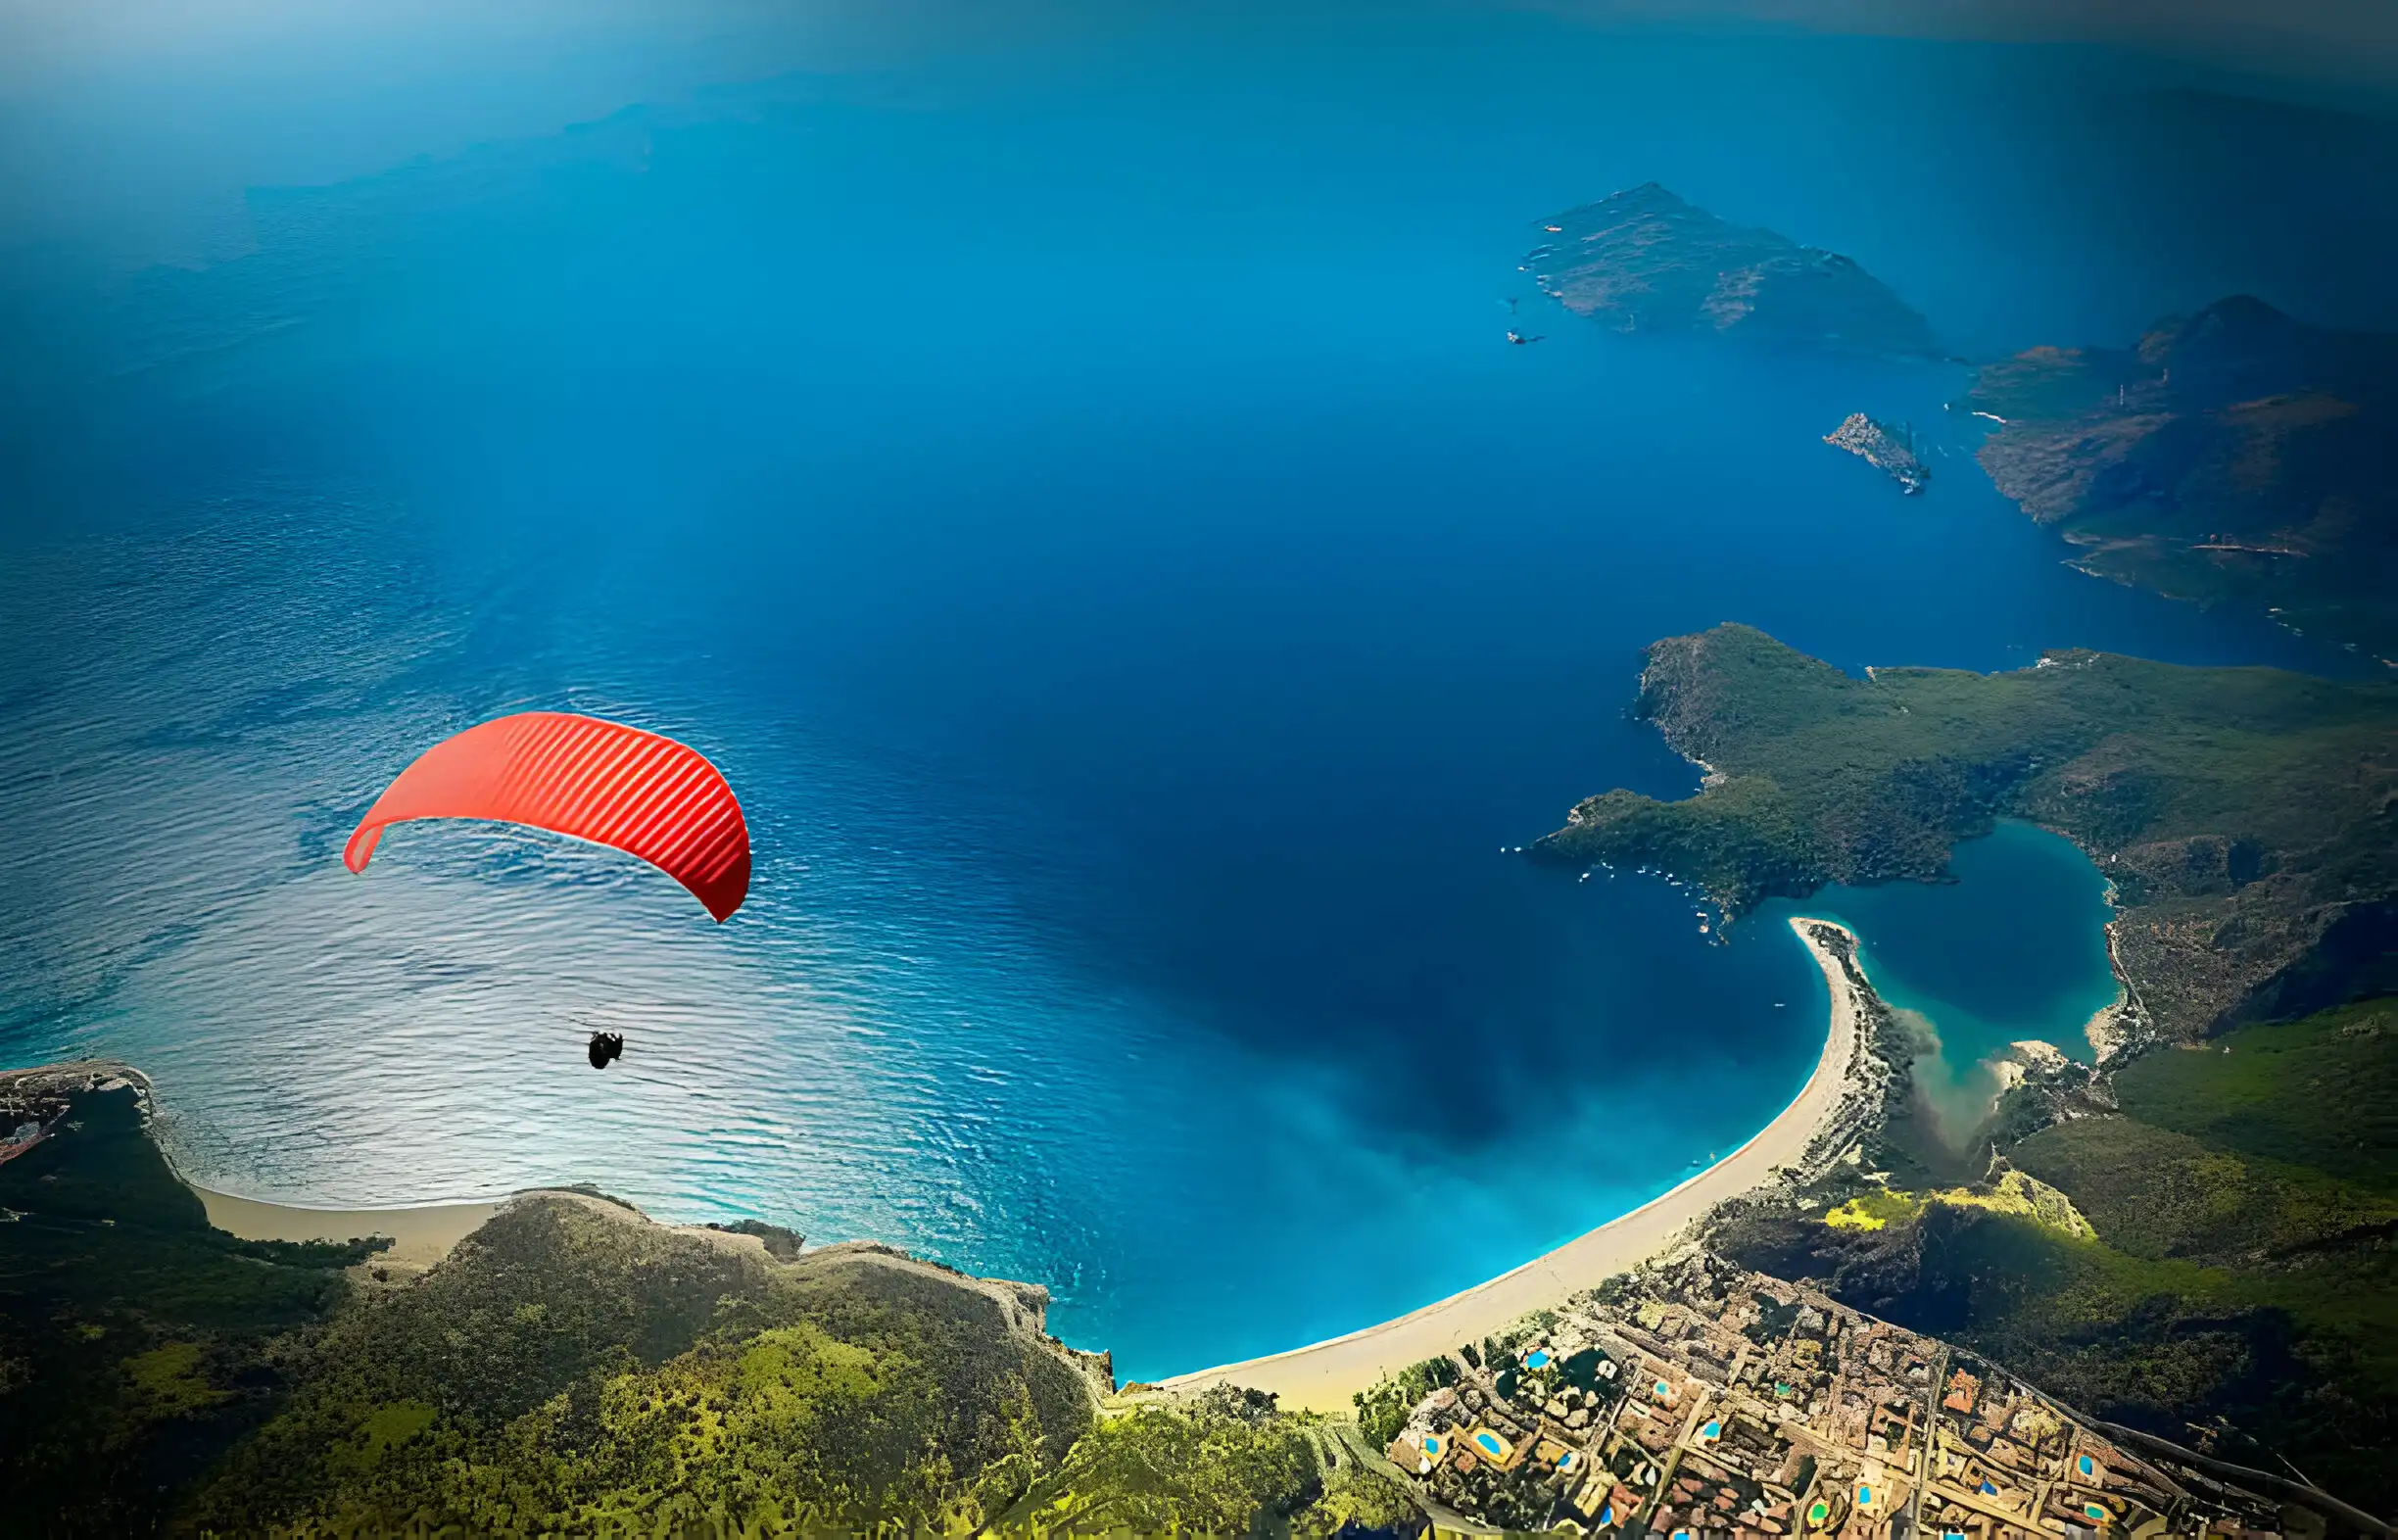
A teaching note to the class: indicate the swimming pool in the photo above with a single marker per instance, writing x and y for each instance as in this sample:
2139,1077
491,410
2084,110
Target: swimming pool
1536,1359
1491,1444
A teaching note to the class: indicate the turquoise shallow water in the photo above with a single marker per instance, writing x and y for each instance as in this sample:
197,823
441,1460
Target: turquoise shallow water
2013,949
1081,497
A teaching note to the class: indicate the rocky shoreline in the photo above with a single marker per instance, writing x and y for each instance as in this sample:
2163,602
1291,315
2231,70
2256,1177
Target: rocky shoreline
1890,453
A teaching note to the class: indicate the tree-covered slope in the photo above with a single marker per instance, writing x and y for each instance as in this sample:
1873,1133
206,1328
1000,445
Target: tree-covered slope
571,1367
574,1368
1226,1462
2232,456
2244,814
133,1338
2240,1278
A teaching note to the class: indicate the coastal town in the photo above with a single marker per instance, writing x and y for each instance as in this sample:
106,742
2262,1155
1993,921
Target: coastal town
1699,1399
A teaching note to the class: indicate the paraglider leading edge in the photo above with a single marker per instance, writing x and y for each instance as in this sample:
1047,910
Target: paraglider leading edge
594,780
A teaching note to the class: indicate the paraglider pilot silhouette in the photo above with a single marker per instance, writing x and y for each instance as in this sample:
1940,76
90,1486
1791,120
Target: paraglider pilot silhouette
616,786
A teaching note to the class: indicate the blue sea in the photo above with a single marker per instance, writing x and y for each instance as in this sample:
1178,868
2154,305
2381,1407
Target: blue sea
1070,478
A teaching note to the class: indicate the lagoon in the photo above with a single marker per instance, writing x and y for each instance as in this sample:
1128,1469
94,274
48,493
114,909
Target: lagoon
2013,949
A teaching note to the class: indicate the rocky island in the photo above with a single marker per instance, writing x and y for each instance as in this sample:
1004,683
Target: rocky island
1890,453
1646,260
2233,456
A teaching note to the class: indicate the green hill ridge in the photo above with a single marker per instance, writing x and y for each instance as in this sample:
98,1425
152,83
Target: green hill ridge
2245,816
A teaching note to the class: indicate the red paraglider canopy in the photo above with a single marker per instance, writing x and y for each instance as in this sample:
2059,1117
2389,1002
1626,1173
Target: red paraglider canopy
600,781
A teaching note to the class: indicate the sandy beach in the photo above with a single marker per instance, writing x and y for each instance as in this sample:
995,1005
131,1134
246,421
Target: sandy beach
420,1236
1323,1376
1318,1377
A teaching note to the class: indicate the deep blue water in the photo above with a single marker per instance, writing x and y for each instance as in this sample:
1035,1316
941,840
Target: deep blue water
1080,495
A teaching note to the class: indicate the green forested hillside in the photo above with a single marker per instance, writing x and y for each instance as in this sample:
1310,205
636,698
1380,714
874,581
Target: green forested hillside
574,1368
2245,815
2244,1271
133,1338
1227,1464
2321,1093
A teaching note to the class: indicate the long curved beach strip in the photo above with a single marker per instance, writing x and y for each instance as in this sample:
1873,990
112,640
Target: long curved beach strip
1323,1376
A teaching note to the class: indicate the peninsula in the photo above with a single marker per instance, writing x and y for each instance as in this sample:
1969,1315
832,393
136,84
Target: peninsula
2234,457
1646,260
2244,814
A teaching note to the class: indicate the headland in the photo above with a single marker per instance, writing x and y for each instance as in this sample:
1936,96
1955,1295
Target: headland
2234,457
2240,813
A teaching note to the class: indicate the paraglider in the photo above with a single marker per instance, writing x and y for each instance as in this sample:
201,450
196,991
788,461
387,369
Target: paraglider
615,786
612,785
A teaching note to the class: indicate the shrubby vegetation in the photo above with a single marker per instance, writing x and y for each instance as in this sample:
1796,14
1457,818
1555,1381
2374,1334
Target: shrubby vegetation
1225,1464
574,1368
1383,1410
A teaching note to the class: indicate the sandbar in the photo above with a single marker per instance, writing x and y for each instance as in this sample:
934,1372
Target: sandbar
1322,1377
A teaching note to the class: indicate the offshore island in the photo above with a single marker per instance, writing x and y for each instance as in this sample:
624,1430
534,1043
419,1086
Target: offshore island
1646,260
1887,449
2137,1301
2234,457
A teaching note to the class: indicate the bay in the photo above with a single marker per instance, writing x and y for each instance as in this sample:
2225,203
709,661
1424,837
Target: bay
1083,501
